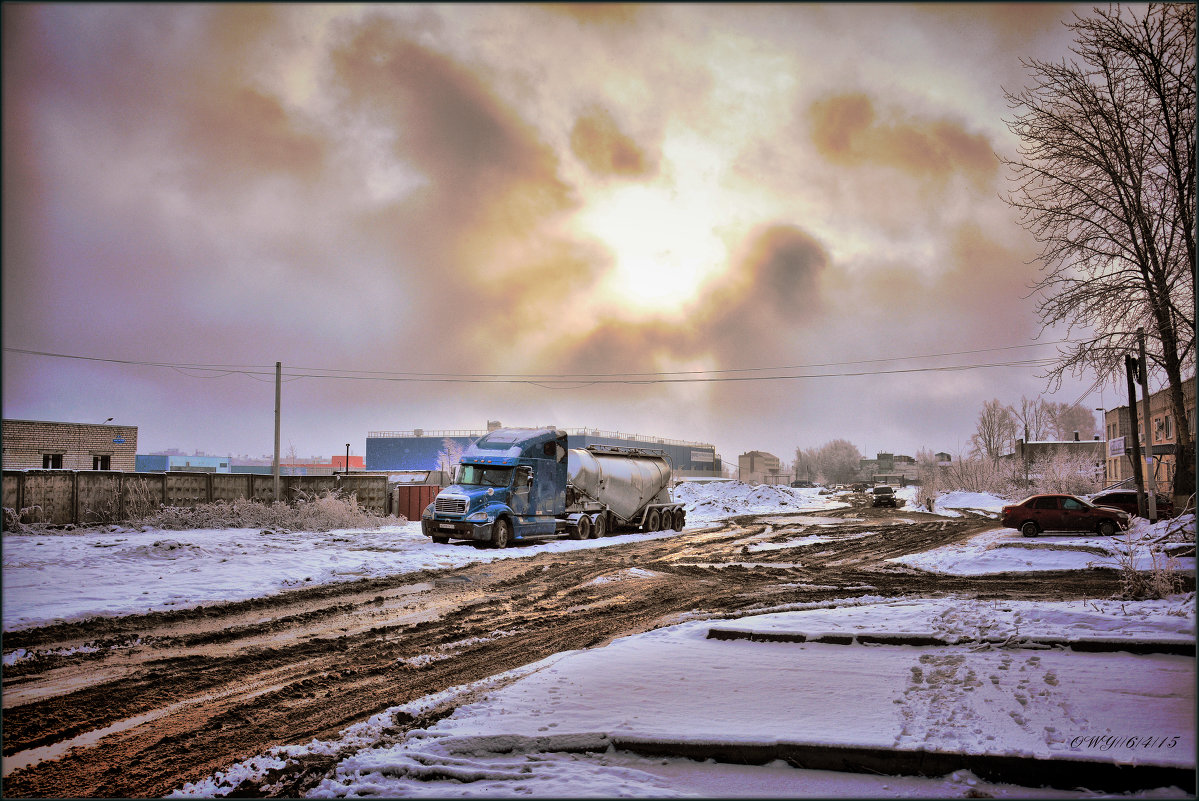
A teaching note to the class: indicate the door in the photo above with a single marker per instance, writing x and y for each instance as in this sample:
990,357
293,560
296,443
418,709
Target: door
522,506
1076,516
1048,513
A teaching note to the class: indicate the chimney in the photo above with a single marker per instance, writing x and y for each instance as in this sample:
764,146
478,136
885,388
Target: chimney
1076,436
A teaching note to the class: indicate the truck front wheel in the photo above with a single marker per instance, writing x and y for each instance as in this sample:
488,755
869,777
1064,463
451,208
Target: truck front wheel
501,533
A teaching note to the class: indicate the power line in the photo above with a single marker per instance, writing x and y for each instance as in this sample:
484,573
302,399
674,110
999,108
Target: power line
570,380
686,372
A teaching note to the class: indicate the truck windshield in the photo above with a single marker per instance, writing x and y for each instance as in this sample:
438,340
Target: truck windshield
484,476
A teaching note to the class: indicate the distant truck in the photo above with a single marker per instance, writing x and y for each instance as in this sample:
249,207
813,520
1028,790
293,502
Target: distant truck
524,483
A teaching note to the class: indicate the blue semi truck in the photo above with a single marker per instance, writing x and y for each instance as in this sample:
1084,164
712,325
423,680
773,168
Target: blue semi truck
519,484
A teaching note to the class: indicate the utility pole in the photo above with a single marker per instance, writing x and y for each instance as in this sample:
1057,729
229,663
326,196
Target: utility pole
1130,368
1150,466
347,458
278,397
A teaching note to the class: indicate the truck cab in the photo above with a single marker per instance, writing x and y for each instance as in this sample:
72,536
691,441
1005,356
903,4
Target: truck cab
510,485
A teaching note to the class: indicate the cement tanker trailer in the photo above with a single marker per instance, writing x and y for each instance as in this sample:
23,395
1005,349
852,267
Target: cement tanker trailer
524,483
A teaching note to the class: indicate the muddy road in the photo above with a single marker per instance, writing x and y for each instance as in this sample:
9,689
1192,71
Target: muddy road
155,701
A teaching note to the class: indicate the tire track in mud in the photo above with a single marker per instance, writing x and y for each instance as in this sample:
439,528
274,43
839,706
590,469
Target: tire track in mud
224,683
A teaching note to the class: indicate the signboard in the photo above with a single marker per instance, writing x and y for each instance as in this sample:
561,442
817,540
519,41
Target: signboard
703,456
119,440
1115,447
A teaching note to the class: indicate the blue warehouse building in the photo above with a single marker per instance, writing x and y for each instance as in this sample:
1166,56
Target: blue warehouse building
422,450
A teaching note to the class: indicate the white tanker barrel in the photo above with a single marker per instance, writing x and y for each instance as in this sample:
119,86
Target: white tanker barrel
624,482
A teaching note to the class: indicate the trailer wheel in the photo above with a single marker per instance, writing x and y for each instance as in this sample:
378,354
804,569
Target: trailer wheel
599,526
667,521
680,519
501,533
582,529
442,540
652,520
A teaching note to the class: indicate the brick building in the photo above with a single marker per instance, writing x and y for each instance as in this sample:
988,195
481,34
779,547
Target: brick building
1163,430
45,445
759,467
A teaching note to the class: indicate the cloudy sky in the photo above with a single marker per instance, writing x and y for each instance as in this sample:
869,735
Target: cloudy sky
689,221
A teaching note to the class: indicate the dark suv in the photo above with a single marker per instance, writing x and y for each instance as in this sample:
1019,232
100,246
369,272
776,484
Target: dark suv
1127,501
884,496
1062,513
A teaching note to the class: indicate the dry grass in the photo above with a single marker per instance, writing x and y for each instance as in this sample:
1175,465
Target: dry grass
142,509
323,512
1161,580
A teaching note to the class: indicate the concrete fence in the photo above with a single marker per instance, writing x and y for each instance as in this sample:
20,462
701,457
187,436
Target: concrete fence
94,496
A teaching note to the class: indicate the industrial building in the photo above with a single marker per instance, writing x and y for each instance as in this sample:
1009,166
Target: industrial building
202,463
46,445
422,449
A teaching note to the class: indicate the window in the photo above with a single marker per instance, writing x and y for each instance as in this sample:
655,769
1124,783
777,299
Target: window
52,461
102,462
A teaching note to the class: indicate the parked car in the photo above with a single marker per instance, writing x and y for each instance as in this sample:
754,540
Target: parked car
802,484
1127,501
884,496
1062,513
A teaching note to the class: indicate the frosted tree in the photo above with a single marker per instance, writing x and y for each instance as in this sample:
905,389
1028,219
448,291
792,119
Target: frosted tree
838,461
450,455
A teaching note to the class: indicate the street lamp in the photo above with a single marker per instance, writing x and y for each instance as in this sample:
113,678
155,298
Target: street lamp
109,420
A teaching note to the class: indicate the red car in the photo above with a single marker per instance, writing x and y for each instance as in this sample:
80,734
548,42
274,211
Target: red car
1062,513
1127,500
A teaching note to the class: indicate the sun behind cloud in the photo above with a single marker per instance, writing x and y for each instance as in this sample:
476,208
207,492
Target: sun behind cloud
664,245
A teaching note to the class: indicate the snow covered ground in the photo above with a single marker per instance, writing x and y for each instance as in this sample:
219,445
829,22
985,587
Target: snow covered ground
720,500
69,575
550,728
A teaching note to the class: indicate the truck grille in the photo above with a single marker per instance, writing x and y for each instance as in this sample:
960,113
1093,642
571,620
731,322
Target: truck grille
450,506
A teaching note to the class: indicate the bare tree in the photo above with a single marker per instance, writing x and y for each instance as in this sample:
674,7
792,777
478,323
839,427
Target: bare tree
804,465
929,474
1067,419
1105,181
995,432
1035,417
